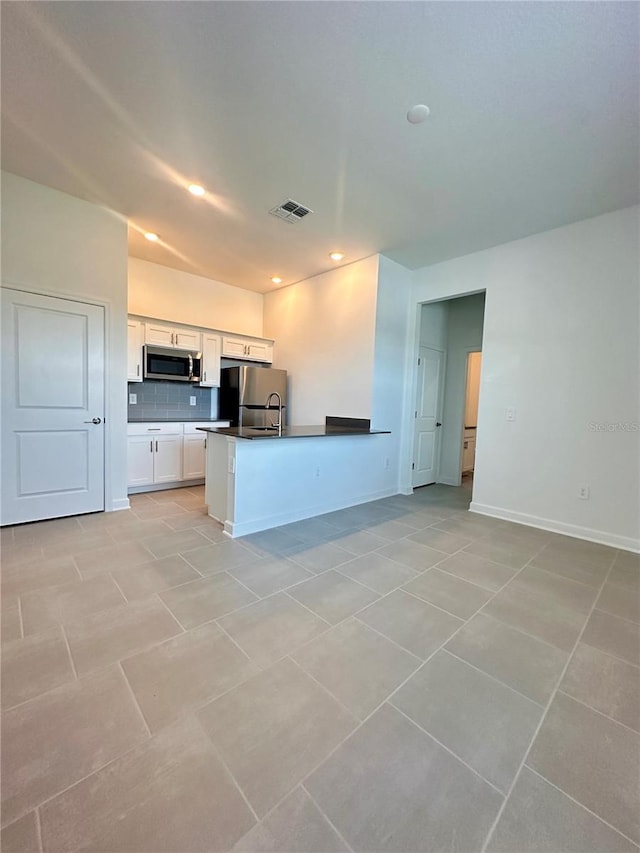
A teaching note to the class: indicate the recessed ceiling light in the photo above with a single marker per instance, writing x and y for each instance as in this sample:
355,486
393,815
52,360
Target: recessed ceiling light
153,238
418,114
196,189
336,256
276,279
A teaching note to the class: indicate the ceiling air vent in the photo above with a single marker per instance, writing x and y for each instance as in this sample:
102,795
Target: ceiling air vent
290,211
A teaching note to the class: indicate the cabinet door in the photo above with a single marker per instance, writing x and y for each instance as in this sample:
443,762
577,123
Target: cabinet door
140,457
210,361
167,465
161,336
187,339
134,351
193,457
234,347
260,352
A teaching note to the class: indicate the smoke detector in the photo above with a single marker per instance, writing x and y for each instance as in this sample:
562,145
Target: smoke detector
290,211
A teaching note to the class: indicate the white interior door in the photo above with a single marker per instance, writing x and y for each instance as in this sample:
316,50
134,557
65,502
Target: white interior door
426,446
52,407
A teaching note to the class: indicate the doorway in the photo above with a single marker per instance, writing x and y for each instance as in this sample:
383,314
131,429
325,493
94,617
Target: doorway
454,328
53,374
470,421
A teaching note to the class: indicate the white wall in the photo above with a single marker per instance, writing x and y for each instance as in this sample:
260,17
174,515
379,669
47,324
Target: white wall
324,329
464,332
390,391
433,325
561,340
180,297
55,244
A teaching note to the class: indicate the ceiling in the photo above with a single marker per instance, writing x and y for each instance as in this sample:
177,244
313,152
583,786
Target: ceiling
534,123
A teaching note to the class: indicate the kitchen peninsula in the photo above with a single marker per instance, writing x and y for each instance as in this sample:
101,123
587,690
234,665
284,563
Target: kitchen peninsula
257,479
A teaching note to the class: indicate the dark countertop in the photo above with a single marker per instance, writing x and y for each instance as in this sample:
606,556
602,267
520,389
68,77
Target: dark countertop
320,431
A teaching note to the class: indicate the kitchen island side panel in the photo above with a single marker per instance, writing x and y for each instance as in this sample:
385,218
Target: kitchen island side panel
277,482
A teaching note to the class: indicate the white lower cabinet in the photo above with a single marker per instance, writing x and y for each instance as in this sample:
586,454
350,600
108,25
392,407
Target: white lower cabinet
155,458
193,457
166,453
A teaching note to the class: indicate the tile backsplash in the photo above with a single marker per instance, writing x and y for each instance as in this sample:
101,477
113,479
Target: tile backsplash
165,399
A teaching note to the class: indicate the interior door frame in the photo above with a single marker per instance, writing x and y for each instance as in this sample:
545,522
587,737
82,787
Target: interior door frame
440,406
106,305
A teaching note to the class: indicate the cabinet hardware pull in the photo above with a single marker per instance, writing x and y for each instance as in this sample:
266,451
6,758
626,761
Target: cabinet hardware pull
137,370
205,376
156,445
151,446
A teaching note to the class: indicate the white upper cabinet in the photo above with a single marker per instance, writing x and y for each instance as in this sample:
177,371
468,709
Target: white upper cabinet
247,349
210,374
163,335
135,337
212,343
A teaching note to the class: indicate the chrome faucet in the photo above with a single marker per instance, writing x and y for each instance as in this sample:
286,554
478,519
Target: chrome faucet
268,405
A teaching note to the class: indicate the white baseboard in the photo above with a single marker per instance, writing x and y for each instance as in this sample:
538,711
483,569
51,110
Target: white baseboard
625,543
447,481
118,504
162,487
255,525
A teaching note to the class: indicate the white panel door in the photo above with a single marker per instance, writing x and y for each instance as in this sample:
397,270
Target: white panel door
426,447
52,407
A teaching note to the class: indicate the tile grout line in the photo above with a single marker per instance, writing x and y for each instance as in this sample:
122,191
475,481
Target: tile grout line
544,715
232,778
448,749
324,689
20,619
598,711
581,805
157,596
492,677
68,647
610,654
327,818
39,830
135,701
616,616
519,631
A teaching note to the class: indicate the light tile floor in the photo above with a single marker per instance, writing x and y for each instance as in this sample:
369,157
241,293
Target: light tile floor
397,676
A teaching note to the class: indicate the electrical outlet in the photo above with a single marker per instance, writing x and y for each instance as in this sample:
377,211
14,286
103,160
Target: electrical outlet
192,401
584,493
510,414
386,461
133,399
316,471
231,465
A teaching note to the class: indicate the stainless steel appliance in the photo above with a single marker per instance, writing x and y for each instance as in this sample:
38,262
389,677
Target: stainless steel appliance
253,396
179,365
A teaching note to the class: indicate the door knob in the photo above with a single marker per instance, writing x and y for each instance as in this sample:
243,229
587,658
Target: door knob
94,421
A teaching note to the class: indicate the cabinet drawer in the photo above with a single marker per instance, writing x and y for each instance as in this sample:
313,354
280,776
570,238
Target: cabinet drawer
154,429
192,428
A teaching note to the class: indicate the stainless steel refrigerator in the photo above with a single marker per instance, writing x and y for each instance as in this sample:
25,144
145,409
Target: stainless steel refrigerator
244,392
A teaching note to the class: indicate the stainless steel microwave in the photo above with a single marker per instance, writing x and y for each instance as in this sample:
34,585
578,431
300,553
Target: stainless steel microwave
175,364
